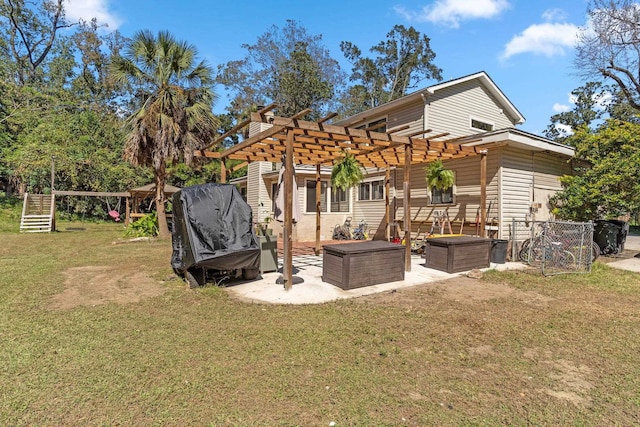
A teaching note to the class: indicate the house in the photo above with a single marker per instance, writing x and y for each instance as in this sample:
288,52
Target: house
522,169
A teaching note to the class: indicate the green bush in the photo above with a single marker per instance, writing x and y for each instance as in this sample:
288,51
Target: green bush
147,226
10,212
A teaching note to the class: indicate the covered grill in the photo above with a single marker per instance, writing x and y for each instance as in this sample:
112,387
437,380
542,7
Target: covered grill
213,234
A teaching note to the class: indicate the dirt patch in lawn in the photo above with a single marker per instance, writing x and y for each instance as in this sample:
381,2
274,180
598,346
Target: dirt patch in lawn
466,302
467,291
97,285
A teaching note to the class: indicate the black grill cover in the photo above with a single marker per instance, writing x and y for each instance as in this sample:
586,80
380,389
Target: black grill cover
213,229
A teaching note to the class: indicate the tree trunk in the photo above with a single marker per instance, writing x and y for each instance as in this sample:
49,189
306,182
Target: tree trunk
163,227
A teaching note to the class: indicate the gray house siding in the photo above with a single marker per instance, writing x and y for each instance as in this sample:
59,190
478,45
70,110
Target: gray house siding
529,177
466,205
451,109
412,115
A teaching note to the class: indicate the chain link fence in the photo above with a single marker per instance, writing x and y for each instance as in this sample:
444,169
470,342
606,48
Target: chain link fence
556,247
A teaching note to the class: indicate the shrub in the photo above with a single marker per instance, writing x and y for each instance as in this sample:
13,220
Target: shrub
147,226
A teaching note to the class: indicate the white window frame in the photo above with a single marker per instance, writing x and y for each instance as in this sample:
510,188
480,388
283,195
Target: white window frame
370,182
483,121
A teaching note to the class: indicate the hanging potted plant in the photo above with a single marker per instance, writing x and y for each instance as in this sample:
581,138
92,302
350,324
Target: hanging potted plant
438,176
346,172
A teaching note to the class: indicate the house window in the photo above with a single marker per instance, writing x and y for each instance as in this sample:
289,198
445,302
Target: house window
379,125
339,199
480,125
442,197
311,196
274,194
371,190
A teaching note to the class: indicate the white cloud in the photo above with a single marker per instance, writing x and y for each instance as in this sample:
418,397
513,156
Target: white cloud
451,12
89,9
604,100
551,15
564,130
549,39
560,108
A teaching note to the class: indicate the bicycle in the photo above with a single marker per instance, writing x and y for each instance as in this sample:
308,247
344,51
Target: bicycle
361,232
555,249
343,232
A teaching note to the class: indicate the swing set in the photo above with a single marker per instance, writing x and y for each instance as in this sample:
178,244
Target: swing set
114,213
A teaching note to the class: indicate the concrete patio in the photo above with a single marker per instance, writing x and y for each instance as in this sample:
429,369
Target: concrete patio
308,267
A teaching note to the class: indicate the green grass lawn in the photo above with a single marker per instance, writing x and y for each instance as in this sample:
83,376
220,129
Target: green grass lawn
520,349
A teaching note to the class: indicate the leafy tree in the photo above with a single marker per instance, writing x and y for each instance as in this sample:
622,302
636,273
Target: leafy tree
30,32
399,63
610,46
593,103
608,165
174,117
587,100
300,71
91,82
286,66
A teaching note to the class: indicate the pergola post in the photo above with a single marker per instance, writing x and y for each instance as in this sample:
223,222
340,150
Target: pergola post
407,207
387,208
318,196
483,192
223,171
287,269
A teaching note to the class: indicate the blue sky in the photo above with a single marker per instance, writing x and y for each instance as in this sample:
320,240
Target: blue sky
526,46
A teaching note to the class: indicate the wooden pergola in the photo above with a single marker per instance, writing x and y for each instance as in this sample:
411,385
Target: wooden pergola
318,143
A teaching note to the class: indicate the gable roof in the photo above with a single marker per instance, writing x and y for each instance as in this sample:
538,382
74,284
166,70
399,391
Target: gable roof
490,85
481,76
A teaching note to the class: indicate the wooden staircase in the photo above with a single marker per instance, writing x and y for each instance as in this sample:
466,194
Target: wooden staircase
38,211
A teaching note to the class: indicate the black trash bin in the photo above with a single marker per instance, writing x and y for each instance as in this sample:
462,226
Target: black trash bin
499,251
610,235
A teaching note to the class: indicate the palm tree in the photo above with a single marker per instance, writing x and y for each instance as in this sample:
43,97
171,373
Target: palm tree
175,115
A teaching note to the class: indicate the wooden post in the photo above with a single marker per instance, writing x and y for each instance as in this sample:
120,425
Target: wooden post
318,196
53,185
387,209
287,269
127,214
223,171
407,207
483,192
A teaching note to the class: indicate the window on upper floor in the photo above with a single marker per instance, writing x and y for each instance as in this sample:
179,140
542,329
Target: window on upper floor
379,125
481,125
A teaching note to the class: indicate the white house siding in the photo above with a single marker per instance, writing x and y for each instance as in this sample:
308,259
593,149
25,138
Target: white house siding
525,175
412,115
372,211
450,109
467,194
258,193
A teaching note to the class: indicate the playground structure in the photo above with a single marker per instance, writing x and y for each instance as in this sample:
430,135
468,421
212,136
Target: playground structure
39,210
